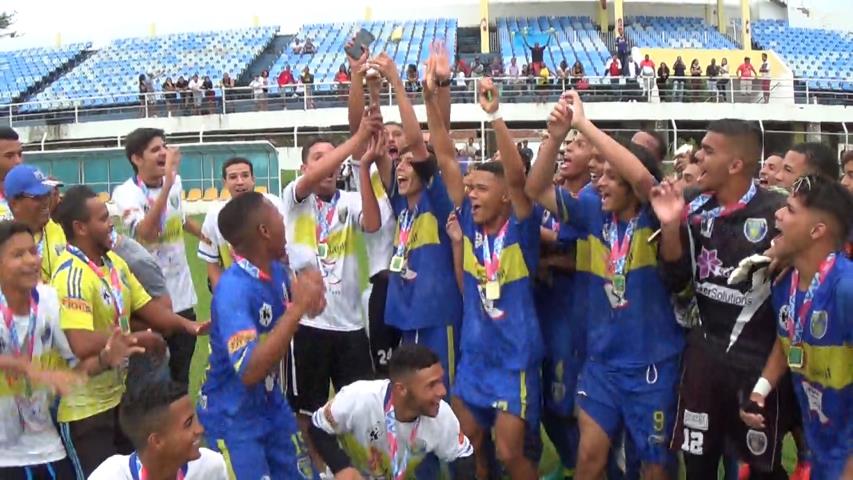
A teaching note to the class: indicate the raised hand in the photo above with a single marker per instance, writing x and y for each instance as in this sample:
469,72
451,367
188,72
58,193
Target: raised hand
573,101
488,97
454,230
385,65
667,202
560,120
356,63
376,149
173,164
441,69
120,347
371,124
309,292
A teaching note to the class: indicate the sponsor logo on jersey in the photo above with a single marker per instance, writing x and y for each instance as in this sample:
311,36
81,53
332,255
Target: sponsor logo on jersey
755,229
240,340
756,442
818,324
696,420
77,304
708,263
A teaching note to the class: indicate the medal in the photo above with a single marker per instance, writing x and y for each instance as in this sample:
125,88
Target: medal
396,264
325,214
322,250
113,286
617,264
493,290
619,284
796,357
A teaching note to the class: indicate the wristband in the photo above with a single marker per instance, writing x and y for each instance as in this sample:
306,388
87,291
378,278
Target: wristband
442,83
495,116
762,387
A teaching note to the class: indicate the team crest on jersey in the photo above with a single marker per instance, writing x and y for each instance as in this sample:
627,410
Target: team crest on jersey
478,239
265,315
269,382
105,295
783,317
756,442
818,324
305,469
755,229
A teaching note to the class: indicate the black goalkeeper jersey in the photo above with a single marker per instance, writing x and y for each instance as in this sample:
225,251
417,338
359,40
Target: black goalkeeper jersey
737,322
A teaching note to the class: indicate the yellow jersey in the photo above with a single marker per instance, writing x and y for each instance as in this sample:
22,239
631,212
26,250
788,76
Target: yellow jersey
51,244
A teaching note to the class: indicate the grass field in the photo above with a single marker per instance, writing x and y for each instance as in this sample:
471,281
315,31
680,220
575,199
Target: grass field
549,463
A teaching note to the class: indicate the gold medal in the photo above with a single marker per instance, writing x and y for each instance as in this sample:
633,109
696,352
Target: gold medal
493,290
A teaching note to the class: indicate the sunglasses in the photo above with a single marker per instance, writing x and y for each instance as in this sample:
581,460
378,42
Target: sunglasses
803,184
37,198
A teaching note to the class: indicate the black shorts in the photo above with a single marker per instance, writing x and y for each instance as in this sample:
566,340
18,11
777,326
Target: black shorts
318,357
181,350
383,338
58,470
92,440
708,418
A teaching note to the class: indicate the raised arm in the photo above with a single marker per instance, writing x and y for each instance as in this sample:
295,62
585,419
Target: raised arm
148,229
510,158
454,231
411,126
540,183
621,159
668,203
371,218
315,172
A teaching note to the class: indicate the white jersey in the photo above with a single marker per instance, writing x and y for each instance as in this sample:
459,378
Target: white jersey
210,466
339,266
27,434
218,251
357,413
168,250
379,244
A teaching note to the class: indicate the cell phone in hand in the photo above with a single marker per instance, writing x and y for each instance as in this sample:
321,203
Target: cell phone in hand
362,40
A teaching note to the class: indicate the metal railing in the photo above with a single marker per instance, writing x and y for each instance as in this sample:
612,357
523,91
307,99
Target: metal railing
513,90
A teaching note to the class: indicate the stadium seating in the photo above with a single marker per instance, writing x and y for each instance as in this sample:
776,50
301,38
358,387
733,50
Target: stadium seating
115,69
576,38
675,32
22,69
330,39
811,53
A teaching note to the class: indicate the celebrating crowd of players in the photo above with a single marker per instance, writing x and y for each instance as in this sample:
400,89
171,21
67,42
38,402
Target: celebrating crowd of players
632,317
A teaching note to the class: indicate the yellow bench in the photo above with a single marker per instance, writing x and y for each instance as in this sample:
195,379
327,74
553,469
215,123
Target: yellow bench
225,194
194,195
210,194
261,189
104,196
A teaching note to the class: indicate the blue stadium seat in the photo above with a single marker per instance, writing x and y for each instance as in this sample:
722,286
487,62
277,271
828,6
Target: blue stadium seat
22,69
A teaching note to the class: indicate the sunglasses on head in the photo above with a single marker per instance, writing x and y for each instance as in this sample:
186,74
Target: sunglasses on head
803,184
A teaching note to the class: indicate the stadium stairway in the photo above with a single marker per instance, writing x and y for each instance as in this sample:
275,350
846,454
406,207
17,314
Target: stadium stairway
39,86
266,60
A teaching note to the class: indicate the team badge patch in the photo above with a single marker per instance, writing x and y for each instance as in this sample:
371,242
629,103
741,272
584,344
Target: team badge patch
755,229
818,324
756,442
783,317
59,249
265,315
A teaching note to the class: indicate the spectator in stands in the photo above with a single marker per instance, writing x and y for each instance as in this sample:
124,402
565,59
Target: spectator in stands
563,74
679,71
342,78
412,83
477,68
723,82
537,54
613,69
257,86
544,77
512,71
170,94
461,82
847,170
647,72
143,91
470,149
526,152
630,69
209,93
227,82
622,48
764,71
462,65
183,92
497,68
307,81
696,80
712,71
285,82
296,46
662,79
746,72
578,80
198,95
308,48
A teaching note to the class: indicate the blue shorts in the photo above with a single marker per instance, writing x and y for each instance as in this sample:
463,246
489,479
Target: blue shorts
444,342
279,453
559,383
640,400
482,387
827,468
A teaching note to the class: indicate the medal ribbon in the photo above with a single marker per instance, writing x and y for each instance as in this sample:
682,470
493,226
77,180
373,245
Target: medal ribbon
325,215
796,323
719,211
113,286
147,192
8,318
619,251
407,221
398,465
492,260
250,268
139,472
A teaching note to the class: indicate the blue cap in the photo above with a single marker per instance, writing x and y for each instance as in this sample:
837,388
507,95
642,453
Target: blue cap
27,180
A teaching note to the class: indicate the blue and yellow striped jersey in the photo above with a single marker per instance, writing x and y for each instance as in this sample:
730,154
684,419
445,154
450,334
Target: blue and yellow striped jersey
644,331
504,331
824,384
424,294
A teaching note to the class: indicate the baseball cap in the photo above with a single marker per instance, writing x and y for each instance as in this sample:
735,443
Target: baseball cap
26,180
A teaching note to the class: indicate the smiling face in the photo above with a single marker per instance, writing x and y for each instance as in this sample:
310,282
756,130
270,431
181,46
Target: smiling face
181,432
327,187
239,179
32,211
408,181
616,194
394,140
20,265
794,165
767,174
423,390
488,196
577,158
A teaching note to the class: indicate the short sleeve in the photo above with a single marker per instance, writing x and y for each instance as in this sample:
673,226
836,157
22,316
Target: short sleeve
131,207
577,211
336,415
452,443
112,468
236,327
209,252
75,299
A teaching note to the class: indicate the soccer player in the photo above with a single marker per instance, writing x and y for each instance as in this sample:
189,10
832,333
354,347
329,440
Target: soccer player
28,192
151,210
402,428
238,177
769,169
11,154
623,385
847,170
160,420
725,354
811,158
497,382
814,307
255,311
653,141
97,292
322,223
34,357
